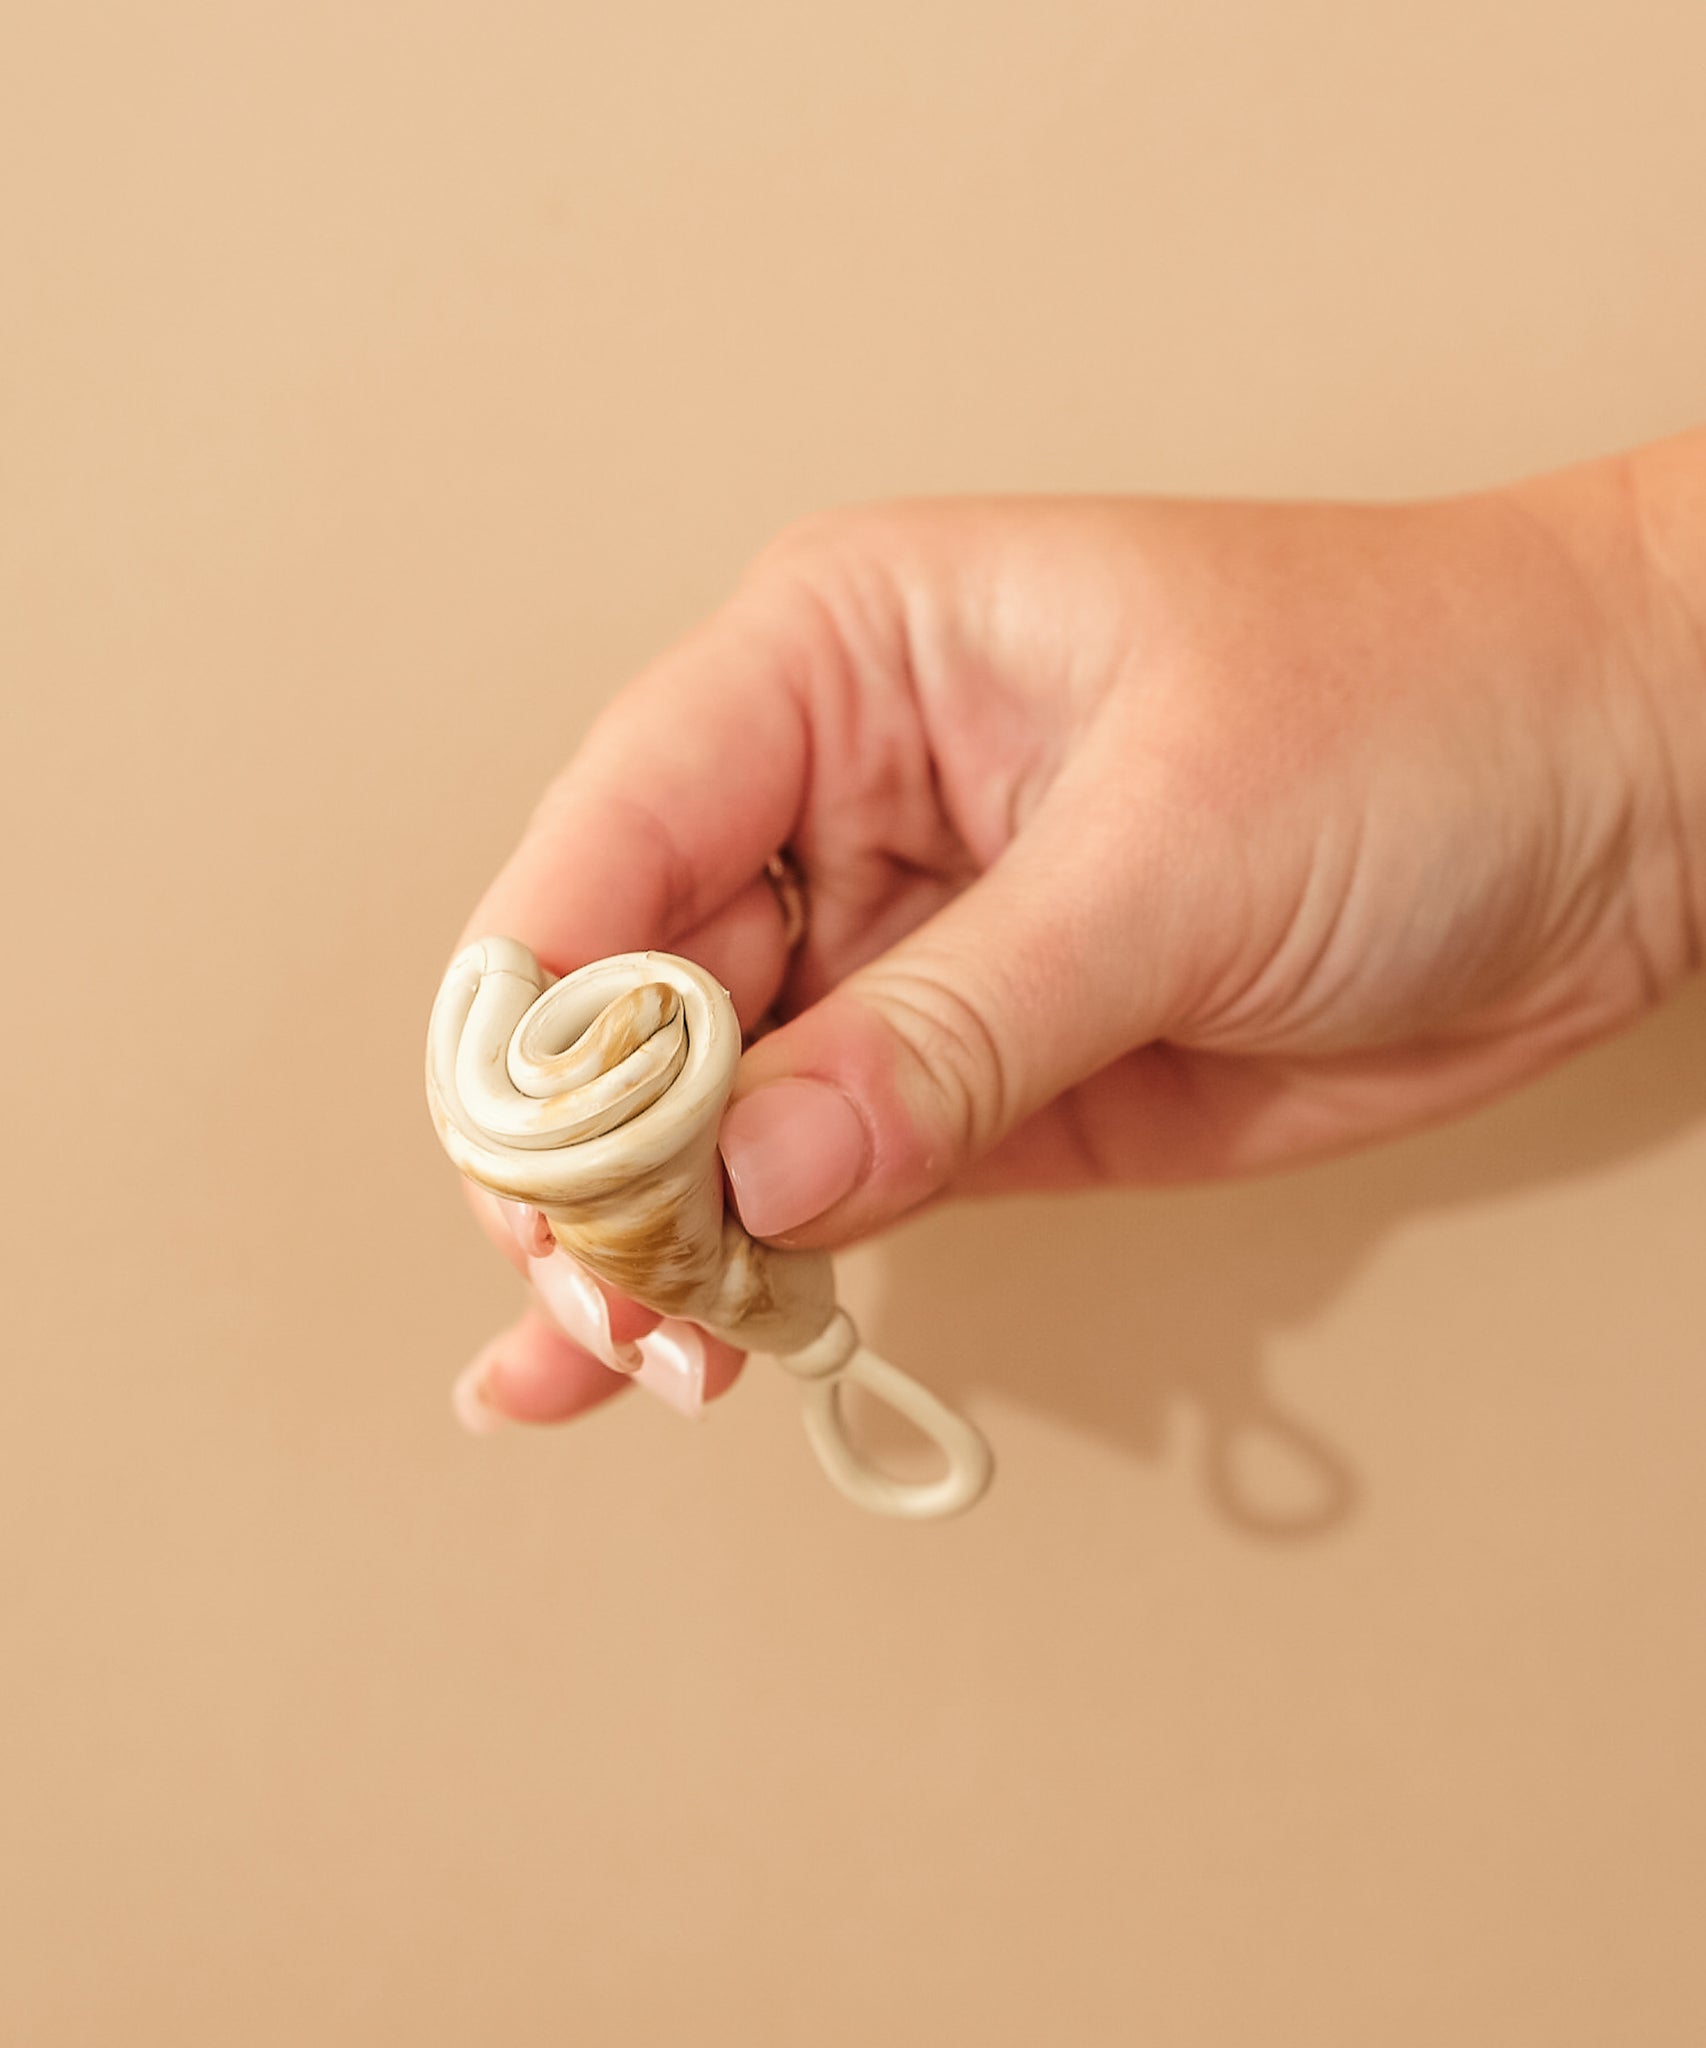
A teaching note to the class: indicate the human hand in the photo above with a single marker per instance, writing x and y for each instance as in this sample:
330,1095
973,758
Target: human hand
1141,841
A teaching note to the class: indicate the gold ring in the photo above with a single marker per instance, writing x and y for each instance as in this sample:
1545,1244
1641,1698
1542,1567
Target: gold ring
788,886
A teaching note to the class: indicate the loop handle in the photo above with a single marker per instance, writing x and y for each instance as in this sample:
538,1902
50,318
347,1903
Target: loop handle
837,1359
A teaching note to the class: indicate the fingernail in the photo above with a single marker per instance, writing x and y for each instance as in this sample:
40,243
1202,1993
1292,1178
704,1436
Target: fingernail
580,1311
468,1395
529,1229
672,1366
792,1149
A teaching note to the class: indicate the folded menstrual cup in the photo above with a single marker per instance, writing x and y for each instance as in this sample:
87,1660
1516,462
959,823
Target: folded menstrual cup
596,1099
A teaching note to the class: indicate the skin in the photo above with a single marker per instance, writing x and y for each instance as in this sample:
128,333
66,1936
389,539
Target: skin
1148,842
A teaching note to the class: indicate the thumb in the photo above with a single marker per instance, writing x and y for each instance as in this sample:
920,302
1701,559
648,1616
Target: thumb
883,1092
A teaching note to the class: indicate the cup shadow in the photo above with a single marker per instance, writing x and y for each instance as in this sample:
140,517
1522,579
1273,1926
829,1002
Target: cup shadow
1112,1312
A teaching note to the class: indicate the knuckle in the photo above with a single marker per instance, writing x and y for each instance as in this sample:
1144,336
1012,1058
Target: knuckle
803,549
961,1076
839,552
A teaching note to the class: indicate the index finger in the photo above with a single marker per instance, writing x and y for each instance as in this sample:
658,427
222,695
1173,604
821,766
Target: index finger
689,780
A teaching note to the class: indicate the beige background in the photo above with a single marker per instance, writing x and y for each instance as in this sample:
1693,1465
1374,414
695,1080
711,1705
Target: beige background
380,386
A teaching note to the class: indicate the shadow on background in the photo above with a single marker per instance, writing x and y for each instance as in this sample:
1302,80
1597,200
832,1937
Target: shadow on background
1106,1311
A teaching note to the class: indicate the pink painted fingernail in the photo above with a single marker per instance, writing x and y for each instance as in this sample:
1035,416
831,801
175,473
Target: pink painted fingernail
529,1229
792,1149
468,1397
580,1311
673,1366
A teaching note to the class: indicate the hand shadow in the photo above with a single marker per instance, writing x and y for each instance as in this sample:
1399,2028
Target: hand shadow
1107,1310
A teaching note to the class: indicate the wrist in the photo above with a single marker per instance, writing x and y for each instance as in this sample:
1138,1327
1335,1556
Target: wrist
1631,531
1667,496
